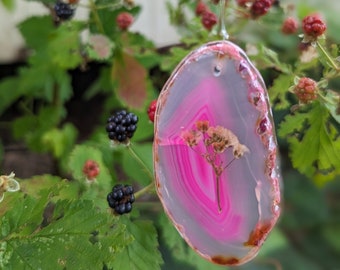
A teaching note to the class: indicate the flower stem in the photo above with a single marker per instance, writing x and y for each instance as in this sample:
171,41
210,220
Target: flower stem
141,162
329,58
218,194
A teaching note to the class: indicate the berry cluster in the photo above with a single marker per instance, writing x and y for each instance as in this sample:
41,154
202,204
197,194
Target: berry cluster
260,8
121,126
152,110
306,90
124,20
64,11
313,26
256,8
121,199
208,18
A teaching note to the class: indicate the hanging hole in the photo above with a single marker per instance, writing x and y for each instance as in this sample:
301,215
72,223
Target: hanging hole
217,70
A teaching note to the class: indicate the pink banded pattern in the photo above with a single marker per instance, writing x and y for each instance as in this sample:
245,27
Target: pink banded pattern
217,83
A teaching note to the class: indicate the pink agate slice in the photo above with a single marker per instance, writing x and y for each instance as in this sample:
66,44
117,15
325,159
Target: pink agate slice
224,215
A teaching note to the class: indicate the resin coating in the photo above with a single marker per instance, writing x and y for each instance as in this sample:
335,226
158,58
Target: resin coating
215,154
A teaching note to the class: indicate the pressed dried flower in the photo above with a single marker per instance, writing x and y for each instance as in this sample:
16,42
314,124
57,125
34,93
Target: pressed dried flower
191,137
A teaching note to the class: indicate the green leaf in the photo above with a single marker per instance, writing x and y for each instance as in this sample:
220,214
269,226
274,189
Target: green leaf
36,81
82,153
36,31
63,82
9,92
74,235
171,61
333,104
332,234
142,253
60,141
53,185
314,147
278,92
267,58
64,47
8,4
33,127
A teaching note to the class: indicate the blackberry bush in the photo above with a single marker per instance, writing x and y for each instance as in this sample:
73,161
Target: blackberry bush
121,199
121,126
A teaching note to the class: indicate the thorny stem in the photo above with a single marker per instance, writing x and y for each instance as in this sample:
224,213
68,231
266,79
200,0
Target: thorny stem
147,189
151,186
329,58
141,162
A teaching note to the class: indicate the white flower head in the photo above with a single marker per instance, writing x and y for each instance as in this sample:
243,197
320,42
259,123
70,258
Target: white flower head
8,183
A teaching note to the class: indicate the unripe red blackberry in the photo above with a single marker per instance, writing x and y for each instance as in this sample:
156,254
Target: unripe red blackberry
289,26
313,25
91,170
201,8
209,19
152,110
124,20
306,90
260,8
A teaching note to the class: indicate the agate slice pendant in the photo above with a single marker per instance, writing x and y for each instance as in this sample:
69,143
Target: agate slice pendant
215,154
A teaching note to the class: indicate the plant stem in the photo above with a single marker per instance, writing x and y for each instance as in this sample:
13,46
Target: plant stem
141,162
96,17
99,7
329,58
147,189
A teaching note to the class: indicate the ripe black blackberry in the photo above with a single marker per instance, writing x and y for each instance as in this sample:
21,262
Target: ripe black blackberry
121,199
121,126
63,10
